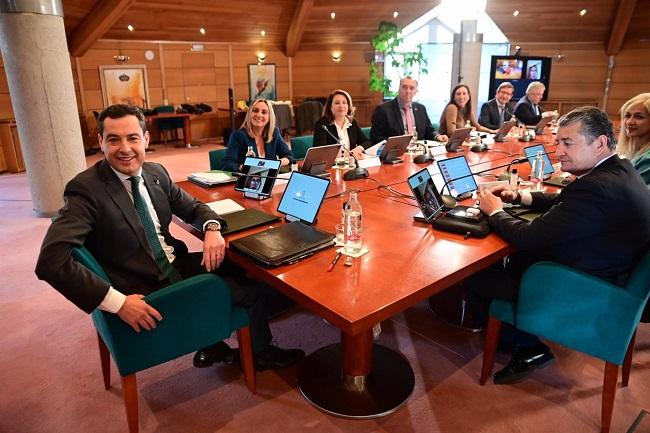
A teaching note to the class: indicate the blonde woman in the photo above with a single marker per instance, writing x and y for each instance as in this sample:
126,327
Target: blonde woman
634,138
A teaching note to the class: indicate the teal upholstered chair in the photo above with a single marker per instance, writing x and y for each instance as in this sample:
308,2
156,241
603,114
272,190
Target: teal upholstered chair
366,131
165,125
579,311
299,146
216,156
196,313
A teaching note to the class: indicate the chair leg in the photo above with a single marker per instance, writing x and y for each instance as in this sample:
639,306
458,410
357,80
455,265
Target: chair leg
609,393
130,389
627,362
491,340
104,358
246,356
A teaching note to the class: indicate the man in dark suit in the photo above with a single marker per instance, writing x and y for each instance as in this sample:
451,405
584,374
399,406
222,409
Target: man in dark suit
402,116
528,109
498,110
120,210
599,224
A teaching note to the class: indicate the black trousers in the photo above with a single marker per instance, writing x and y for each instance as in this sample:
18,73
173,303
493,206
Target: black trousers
244,292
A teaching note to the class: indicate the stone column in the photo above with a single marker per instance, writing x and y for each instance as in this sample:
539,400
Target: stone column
467,58
37,64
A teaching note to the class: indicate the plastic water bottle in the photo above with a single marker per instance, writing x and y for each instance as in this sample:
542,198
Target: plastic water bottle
250,151
537,172
353,229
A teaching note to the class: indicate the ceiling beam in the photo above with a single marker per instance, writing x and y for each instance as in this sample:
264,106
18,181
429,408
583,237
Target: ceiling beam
99,20
297,28
621,23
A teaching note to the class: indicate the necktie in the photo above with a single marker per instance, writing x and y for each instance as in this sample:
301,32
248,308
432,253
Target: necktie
409,119
150,230
501,114
536,109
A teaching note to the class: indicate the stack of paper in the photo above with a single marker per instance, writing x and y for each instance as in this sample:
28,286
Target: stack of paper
211,178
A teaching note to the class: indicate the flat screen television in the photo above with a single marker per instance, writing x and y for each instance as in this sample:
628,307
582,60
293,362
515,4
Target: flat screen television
520,71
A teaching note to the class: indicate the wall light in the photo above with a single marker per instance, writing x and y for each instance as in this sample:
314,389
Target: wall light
395,14
263,33
333,15
583,12
121,59
130,27
515,13
202,30
261,57
337,56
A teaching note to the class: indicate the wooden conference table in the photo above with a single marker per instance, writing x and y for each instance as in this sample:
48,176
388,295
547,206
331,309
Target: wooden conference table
408,261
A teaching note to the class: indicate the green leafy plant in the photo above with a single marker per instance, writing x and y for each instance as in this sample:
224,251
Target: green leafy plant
387,42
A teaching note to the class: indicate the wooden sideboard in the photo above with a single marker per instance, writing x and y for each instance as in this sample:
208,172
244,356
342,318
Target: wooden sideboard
11,157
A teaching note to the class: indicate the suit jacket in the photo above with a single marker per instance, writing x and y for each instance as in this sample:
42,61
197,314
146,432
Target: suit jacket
599,224
238,146
99,214
489,116
387,122
525,113
356,135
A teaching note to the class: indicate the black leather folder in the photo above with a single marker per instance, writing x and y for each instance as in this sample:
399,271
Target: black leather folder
244,219
284,244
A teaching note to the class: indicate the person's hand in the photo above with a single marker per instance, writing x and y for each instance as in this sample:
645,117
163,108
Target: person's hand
137,313
489,203
358,152
549,114
442,137
504,192
284,162
214,250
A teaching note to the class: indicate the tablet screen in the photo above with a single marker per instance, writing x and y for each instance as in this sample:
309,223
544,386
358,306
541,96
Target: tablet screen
425,194
259,176
303,197
531,152
456,173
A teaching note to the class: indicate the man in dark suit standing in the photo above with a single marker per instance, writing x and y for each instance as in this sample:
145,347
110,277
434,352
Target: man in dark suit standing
402,116
498,110
528,110
120,210
599,224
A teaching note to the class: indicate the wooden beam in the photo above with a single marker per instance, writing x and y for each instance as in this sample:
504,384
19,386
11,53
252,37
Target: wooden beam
297,28
99,20
621,23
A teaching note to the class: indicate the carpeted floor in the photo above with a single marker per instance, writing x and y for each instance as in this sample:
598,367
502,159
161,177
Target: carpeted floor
50,378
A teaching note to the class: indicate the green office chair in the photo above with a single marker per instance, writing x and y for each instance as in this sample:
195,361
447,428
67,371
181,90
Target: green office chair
579,311
216,156
299,146
196,313
366,131
165,125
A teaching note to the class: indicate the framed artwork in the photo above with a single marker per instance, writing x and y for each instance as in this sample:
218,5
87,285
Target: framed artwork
261,81
125,85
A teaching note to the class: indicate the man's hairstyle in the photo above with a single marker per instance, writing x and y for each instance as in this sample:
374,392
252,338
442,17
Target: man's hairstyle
534,86
269,128
593,123
408,77
118,111
327,111
505,84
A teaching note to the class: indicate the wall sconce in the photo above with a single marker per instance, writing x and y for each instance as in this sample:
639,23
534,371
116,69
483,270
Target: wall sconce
559,57
517,50
121,59
261,56
337,56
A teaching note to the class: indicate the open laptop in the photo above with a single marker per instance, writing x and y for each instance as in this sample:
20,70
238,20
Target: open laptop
502,132
320,159
426,195
531,152
394,148
458,177
258,177
455,142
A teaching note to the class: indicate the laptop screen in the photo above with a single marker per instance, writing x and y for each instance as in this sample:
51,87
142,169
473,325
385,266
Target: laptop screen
425,194
531,152
455,171
303,197
259,176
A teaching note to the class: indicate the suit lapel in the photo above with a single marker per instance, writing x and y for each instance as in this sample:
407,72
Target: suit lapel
398,116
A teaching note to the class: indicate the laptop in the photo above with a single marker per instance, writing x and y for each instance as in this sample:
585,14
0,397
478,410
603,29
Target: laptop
394,148
502,132
319,159
455,142
303,197
531,152
458,177
426,195
258,178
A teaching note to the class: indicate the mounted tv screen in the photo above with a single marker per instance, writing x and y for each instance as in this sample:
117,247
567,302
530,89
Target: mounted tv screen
520,71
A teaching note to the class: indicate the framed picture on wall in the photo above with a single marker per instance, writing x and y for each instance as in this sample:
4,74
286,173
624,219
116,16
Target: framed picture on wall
124,84
261,81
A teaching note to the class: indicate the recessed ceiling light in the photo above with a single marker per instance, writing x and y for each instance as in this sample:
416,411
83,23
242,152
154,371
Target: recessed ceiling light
202,30
395,14
583,12
263,33
515,13
333,15
130,27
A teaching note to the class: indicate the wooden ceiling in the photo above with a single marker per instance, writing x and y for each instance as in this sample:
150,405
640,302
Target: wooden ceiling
291,24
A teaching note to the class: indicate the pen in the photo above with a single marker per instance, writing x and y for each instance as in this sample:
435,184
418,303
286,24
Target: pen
336,259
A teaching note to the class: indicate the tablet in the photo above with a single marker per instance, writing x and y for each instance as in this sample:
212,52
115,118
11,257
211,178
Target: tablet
394,148
319,159
502,132
531,152
258,177
426,194
303,197
458,176
455,142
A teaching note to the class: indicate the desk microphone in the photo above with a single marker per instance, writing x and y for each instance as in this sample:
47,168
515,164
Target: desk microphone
354,173
426,157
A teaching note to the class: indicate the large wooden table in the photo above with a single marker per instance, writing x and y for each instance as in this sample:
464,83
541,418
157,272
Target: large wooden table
408,262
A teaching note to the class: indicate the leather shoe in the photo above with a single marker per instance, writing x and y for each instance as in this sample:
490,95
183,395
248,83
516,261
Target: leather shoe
275,357
523,363
217,353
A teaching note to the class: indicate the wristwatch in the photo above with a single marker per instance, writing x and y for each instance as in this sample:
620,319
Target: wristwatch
213,227
517,199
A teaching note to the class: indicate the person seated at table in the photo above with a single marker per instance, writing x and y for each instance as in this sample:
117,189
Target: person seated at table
498,110
599,224
337,119
120,209
459,111
402,115
528,110
634,138
258,136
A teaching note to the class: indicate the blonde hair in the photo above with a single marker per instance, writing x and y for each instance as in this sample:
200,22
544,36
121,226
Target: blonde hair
269,128
630,147
534,86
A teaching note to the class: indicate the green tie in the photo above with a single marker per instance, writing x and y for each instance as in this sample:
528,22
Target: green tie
150,230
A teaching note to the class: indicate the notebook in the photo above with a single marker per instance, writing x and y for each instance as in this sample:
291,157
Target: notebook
303,197
211,178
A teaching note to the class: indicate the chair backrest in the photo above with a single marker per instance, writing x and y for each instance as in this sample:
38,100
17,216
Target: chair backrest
165,109
307,114
366,131
639,282
299,146
216,156
167,124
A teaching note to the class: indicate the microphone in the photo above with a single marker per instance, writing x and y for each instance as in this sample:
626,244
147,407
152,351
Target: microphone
354,173
427,156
